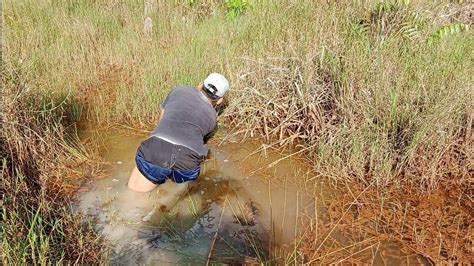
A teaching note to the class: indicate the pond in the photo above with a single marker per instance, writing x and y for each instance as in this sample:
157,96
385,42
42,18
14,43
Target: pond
247,207
237,212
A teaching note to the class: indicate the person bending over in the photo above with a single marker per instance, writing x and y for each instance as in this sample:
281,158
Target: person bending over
178,144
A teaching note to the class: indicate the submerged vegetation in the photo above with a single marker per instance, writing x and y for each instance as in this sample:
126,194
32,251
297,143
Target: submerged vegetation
377,95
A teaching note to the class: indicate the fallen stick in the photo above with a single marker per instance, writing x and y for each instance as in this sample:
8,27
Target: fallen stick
211,248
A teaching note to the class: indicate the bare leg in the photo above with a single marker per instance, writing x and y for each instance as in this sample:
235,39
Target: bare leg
137,182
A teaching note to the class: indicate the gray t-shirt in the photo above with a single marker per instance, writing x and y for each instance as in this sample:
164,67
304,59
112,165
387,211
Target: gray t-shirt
188,118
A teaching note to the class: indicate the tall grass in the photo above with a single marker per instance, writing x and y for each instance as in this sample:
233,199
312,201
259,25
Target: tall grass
377,93
42,166
374,105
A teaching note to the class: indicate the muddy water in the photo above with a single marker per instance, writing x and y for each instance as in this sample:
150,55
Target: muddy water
243,208
235,210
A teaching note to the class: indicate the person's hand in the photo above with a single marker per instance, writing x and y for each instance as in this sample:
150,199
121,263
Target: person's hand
221,106
210,155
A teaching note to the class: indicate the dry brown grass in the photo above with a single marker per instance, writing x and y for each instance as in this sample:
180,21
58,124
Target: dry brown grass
378,111
416,173
438,225
42,167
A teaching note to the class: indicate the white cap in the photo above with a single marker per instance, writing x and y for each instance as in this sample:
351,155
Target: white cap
216,84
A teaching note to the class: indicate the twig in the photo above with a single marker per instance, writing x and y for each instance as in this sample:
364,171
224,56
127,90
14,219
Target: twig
338,221
133,128
346,249
209,255
288,156
353,254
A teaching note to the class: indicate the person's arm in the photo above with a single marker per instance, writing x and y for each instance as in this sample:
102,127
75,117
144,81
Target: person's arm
162,114
206,139
163,105
210,134
221,107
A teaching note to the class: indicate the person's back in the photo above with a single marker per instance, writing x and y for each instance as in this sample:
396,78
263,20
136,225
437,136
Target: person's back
177,146
188,118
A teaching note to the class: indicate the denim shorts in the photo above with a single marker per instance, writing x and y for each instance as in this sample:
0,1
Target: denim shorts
158,175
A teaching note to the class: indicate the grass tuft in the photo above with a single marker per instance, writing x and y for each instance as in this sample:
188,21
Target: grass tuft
41,168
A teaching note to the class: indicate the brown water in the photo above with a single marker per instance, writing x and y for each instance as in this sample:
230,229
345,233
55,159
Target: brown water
243,208
236,195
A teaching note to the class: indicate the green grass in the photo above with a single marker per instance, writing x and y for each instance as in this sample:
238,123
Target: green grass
379,93
42,165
